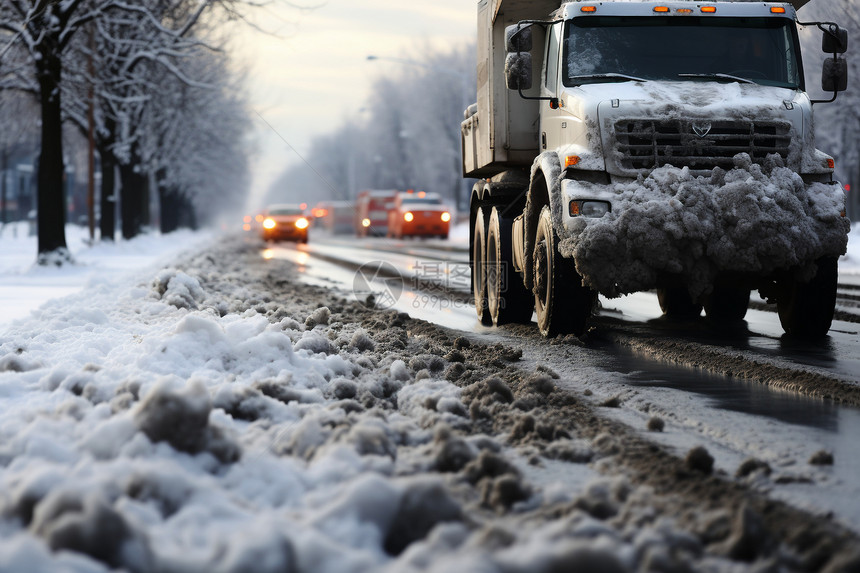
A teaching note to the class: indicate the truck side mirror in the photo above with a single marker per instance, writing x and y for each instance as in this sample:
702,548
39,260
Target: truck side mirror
834,40
834,75
518,71
518,38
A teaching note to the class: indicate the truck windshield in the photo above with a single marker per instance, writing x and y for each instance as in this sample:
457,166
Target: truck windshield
624,48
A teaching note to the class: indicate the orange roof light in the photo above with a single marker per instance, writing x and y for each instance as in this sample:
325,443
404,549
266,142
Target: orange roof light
684,10
777,10
709,9
588,9
661,9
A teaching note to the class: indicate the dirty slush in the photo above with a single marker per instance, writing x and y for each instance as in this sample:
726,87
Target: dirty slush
270,425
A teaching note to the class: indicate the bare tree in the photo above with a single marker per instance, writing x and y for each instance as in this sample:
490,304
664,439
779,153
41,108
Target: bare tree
43,32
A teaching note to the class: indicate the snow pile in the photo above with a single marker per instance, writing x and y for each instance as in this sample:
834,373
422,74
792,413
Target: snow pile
750,219
200,422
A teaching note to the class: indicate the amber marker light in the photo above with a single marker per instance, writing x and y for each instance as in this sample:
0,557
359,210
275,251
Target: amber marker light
571,160
777,10
588,9
269,224
408,216
661,9
684,11
446,216
302,223
709,9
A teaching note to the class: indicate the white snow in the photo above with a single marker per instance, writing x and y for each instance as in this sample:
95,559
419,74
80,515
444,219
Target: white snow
140,422
749,219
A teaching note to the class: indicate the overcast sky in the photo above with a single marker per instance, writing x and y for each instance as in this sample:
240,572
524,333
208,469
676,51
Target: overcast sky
315,74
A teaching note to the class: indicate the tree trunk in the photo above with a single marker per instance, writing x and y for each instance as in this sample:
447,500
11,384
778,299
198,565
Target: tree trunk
51,201
107,223
3,167
130,202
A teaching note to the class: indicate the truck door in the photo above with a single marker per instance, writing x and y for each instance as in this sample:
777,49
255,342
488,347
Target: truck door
551,119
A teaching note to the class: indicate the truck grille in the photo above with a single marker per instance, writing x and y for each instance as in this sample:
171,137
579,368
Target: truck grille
646,144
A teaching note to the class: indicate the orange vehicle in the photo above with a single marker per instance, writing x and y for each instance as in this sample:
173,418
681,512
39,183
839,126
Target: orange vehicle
418,215
285,222
371,212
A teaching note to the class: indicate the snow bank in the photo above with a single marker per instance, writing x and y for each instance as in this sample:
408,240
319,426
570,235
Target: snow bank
750,219
198,421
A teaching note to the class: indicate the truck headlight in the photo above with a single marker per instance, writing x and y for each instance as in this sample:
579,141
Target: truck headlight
590,209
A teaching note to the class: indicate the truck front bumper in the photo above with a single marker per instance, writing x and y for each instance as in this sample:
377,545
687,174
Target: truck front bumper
696,229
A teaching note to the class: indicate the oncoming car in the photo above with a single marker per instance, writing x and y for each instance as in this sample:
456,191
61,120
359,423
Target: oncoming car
371,212
418,215
285,222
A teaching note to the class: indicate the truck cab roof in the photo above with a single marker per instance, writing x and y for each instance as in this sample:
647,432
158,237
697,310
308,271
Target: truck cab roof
679,8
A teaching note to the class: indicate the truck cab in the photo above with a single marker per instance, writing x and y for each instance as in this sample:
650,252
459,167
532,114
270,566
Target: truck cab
630,146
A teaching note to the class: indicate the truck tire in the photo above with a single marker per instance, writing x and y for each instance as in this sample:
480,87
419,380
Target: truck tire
727,304
806,309
562,304
675,302
479,274
508,300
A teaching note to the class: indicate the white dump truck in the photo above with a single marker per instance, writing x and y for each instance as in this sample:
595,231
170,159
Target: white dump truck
634,145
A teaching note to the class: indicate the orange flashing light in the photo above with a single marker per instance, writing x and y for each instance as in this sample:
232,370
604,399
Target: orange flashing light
661,9
588,9
709,9
570,161
777,10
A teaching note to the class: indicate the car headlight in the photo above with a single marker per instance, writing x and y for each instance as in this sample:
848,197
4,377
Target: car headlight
589,209
446,216
365,223
269,224
408,216
302,223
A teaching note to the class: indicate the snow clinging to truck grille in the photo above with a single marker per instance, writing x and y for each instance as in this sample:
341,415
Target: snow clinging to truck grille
752,218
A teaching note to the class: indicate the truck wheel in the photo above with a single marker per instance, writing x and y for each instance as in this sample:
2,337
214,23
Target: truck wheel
508,300
562,304
806,309
479,274
727,304
675,302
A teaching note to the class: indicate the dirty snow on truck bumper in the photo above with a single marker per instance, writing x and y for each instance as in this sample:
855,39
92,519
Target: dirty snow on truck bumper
751,218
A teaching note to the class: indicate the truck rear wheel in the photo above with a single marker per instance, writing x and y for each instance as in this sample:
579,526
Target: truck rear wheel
727,304
479,273
508,300
806,309
562,304
676,302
